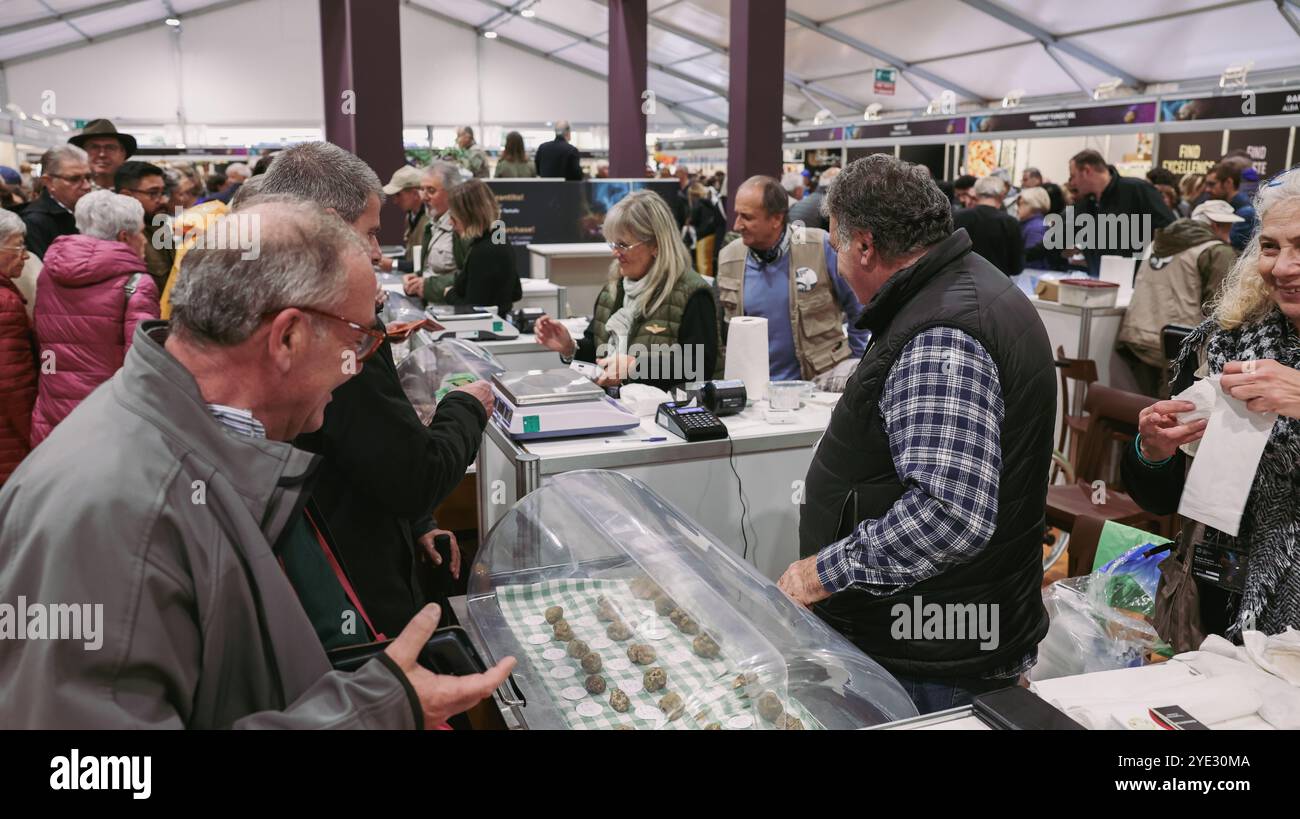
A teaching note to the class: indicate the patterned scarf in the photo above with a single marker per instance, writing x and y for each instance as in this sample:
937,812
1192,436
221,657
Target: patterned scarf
776,251
1270,524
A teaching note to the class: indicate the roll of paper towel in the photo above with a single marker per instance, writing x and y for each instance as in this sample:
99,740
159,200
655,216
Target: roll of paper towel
747,354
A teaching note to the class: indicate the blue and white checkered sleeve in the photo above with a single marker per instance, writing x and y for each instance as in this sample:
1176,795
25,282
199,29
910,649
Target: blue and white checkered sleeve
943,410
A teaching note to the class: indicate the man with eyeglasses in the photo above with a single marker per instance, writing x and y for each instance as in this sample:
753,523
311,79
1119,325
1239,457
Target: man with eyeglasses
65,174
441,248
144,182
177,495
384,471
107,148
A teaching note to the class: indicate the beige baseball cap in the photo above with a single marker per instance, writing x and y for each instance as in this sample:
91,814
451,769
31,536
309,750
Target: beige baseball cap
403,178
1215,210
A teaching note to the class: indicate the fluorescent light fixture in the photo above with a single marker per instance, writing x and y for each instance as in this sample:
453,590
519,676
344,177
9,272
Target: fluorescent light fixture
528,13
491,35
872,112
1107,89
1234,76
1012,99
173,22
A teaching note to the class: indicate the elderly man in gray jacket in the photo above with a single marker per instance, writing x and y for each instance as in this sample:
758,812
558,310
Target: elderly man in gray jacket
157,509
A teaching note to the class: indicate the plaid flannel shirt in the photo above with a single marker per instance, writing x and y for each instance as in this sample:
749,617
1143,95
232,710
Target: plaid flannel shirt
942,409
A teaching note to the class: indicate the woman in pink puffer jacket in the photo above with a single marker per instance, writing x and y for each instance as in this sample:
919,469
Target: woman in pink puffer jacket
91,293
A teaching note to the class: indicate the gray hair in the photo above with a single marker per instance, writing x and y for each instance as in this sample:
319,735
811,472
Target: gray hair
897,202
104,214
53,160
791,181
326,174
11,223
248,192
239,168
773,195
302,261
562,127
643,216
989,186
447,172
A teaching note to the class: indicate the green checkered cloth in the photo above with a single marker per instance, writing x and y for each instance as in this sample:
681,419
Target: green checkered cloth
705,686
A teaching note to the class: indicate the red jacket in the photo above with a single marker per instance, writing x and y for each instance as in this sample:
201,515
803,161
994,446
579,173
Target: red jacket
86,318
17,379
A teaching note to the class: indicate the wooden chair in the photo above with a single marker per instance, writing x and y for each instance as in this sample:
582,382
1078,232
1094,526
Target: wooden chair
1113,416
1083,370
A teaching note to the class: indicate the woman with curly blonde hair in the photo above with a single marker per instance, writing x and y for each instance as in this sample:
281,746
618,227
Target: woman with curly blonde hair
1251,340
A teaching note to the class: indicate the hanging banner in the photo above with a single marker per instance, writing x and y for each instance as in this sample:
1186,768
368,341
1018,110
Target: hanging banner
914,127
1265,146
1190,152
1245,103
812,135
1130,114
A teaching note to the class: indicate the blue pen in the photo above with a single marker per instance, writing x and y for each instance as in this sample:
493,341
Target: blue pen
635,440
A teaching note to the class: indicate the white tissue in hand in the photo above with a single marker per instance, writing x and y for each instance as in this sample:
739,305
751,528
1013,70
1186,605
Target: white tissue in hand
1227,457
1204,394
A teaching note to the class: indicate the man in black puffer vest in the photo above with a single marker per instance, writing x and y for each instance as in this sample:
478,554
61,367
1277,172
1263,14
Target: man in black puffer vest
921,530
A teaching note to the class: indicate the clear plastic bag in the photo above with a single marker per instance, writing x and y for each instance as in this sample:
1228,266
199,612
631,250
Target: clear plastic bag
1101,621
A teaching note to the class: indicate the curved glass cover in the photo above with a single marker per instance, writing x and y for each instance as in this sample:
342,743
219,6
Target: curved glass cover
432,368
685,634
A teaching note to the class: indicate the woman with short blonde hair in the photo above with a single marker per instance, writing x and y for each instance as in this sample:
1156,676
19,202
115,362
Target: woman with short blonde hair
654,299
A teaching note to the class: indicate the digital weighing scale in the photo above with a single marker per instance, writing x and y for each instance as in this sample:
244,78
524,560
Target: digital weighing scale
473,323
558,403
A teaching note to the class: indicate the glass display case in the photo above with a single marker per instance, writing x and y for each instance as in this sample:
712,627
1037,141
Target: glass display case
623,613
432,368
397,305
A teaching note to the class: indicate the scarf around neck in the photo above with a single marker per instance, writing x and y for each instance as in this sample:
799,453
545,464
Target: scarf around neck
1270,523
775,252
619,325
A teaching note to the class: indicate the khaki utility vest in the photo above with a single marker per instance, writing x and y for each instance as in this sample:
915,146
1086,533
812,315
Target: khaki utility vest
815,315
1168,291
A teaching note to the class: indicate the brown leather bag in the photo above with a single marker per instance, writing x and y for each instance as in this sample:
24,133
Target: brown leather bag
1177,617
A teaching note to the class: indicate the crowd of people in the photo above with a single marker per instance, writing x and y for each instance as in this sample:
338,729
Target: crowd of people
248,480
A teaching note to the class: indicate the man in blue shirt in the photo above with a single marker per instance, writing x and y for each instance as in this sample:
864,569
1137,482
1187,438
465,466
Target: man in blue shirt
1224,182
787,274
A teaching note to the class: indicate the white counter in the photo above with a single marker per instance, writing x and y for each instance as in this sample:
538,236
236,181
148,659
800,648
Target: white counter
582,268
771,460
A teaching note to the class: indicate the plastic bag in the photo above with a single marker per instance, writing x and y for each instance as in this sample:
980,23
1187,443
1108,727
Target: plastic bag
1101,621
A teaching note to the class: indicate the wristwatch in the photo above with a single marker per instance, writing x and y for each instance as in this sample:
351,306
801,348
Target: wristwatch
566,360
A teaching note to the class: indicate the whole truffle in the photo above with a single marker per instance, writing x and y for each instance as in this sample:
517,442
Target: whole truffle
769,706
595,684
591,664
554,615
654,678
671,704
605,611
713,726
618,700
641,654
788,722
684,622
664,606
705,647
563,632
578,649
643,588
618,630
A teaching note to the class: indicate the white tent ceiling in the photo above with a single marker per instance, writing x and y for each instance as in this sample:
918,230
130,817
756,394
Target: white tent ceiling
981,49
